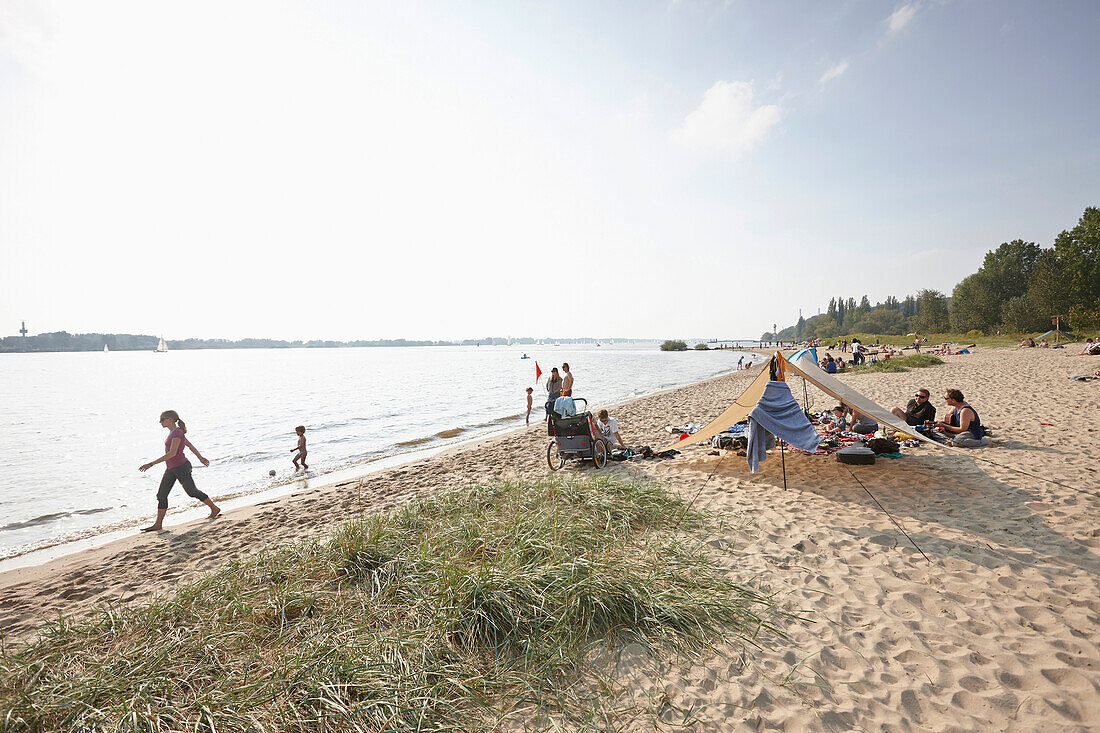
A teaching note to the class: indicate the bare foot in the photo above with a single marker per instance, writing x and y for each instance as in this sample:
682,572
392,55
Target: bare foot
152,528
305,467
215,512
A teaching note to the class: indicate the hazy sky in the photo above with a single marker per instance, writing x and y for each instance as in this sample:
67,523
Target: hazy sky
459,169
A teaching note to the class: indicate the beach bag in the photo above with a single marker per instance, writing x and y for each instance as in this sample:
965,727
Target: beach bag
882,445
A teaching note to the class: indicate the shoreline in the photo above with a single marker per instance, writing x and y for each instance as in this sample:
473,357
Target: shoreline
409,451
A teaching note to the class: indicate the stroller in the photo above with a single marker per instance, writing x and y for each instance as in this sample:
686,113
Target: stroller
574,438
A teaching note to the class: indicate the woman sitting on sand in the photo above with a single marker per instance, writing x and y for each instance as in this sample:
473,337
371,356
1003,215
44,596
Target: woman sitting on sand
963,424
177,467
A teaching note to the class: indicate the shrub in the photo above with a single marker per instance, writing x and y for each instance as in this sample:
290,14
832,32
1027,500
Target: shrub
899,364
440,616
974,334
674,346
702,347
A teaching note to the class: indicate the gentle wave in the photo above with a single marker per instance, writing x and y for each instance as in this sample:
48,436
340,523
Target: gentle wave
55,517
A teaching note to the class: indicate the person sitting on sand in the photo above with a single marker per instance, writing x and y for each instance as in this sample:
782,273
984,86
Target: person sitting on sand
918,411
1090,348
863,424
838,422
608,428
963,424
830,364
1043,344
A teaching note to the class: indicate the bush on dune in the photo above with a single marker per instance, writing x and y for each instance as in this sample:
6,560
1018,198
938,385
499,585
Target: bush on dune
450,614
897,364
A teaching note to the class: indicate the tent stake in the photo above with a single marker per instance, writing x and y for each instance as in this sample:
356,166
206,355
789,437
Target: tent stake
783,460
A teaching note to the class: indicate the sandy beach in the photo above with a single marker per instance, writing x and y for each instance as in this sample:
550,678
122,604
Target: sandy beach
996,630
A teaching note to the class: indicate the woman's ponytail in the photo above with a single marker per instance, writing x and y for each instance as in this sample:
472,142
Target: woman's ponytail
180,424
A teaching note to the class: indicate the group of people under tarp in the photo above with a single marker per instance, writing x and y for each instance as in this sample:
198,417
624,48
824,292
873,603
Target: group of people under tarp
963,427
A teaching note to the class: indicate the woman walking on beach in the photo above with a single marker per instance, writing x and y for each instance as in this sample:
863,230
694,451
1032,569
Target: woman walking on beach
177,468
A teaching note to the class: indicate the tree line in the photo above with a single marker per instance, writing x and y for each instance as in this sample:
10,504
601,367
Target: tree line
1019,286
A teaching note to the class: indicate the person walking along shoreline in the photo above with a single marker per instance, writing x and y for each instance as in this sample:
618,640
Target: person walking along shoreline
177,468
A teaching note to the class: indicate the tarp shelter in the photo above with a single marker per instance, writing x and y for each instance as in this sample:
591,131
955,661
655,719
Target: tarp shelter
1057,335
802,363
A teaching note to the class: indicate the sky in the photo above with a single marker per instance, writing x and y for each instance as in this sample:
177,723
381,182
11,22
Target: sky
457,169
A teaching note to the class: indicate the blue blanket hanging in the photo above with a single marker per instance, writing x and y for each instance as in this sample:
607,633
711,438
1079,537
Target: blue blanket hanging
778,413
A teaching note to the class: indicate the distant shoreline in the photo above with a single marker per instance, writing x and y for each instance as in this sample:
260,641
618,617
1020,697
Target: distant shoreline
63,342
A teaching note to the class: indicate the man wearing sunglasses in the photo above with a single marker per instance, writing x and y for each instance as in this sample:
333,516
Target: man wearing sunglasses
918,411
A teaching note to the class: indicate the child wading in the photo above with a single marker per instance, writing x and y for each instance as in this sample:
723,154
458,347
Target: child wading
300,449
177,468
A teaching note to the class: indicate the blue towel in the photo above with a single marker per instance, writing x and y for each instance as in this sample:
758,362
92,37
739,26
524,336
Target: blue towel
565,407
778,413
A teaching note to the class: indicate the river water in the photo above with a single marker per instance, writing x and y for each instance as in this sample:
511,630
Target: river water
76,426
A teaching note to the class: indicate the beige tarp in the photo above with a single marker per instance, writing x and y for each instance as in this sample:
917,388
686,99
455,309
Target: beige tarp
734,414
804,367
829,384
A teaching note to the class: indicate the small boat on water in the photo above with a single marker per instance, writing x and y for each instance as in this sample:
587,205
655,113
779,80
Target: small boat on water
105,349
525,357
162,347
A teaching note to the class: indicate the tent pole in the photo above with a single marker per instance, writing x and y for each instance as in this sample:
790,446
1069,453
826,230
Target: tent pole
783,459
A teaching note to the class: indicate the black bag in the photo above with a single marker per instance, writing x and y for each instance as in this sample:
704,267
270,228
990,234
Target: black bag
883,445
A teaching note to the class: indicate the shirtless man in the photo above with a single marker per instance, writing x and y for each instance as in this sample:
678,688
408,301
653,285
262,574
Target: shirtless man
567,381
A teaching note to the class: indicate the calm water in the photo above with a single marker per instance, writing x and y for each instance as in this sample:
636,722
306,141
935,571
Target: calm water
76,426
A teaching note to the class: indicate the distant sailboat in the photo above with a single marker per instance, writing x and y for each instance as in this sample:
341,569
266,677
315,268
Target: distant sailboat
162,346
105,349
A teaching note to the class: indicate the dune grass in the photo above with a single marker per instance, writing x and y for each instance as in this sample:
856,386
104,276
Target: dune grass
451,614
897,364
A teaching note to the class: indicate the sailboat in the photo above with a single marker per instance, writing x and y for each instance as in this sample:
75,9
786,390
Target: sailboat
105,349
162,347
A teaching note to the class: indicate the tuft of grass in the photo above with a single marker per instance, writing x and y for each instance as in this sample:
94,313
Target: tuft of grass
897,364
450,614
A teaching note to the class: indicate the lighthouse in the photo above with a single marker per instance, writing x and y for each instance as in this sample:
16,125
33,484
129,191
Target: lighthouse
23,333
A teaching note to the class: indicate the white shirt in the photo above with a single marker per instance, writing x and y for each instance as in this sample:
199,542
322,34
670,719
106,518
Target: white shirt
855,348
608,428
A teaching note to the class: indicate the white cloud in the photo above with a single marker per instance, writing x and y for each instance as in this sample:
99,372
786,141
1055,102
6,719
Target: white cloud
727,120
900,18
834,71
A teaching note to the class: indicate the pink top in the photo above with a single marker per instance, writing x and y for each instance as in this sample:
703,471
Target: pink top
179,459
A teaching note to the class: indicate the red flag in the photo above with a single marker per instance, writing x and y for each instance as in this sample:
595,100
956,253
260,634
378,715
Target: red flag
538,372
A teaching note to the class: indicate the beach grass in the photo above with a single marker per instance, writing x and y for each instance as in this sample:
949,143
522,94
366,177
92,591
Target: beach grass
897,364
455,613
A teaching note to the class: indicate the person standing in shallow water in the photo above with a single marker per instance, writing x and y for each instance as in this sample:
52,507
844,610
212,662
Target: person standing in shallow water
300,449
177,468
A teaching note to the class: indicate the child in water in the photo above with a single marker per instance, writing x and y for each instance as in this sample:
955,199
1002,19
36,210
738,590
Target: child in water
300,449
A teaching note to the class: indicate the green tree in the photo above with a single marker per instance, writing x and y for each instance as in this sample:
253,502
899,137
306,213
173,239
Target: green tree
975,304
1078,252
1020,316
932,311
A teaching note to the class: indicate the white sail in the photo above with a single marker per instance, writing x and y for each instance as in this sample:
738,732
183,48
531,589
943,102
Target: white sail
162,346
105,349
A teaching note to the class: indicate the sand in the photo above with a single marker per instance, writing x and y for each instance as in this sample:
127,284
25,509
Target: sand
998,629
